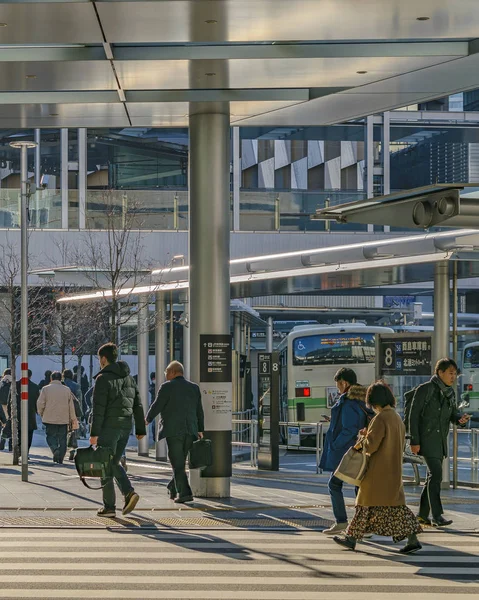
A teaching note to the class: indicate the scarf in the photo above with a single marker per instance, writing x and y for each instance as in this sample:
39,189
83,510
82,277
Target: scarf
447,392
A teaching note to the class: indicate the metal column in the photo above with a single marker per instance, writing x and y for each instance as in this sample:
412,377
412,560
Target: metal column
23,146
209,250
143,358
160,360
38,168
82,177
454,356
441,333
269,335
236,178
369,158
386,157
64,175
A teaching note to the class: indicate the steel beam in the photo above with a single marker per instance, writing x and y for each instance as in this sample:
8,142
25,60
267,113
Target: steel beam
63,97
220,95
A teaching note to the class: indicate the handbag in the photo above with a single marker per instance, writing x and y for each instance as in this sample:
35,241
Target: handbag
94,462
7,430
201,454
409,456
353,465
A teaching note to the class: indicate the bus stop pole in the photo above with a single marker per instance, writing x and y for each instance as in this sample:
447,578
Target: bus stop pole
441,334
454,356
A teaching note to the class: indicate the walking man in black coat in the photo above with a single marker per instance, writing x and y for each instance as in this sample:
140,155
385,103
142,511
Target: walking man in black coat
181,422
432,411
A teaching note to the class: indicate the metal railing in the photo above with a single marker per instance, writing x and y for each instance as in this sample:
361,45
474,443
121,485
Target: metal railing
247,437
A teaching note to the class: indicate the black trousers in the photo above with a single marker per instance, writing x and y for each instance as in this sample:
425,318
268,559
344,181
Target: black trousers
178,448
431,493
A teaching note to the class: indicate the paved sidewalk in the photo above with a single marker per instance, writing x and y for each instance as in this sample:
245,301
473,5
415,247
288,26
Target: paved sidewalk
293,497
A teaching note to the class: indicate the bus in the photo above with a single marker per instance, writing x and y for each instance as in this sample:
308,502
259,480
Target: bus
310,356
470,382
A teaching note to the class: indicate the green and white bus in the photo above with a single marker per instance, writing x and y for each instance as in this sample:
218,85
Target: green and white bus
310,357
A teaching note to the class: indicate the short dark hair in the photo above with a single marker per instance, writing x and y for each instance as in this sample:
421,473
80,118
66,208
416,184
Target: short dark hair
443,364
108,351
48,374
30,373
56,376
380,394
153,375
67,374
347,375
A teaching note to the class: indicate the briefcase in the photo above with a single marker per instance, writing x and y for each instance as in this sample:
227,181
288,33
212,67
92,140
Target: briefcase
94,462
201,454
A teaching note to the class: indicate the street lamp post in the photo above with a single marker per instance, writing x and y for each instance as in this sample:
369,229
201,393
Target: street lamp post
24,146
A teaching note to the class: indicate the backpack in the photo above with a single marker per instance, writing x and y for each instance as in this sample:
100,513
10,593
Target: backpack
408,399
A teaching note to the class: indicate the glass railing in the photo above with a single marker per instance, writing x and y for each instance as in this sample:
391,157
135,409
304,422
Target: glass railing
260,210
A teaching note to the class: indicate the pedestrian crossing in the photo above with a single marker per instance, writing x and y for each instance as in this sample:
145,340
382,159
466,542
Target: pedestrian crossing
230,564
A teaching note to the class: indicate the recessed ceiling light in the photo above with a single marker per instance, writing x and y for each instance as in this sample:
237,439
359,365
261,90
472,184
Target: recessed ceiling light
210,74
3,24
30,76
211,21
361,72
423,18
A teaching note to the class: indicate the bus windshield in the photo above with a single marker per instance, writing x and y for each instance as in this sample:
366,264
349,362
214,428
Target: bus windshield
471,358
334,349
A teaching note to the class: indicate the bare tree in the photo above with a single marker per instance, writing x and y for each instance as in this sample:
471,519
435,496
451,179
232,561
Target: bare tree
114,259
10,300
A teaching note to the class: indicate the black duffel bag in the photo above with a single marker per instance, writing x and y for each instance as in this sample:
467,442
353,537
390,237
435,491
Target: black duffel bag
94,462
201,454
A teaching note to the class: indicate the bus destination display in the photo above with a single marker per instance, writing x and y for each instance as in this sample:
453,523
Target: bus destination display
405,355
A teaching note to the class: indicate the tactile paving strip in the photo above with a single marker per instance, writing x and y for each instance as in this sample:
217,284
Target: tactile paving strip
167,523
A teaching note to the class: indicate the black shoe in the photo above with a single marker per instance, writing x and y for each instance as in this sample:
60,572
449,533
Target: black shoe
411,548
131,500
183,499
171,495
106,512
346,542
423,521
441,522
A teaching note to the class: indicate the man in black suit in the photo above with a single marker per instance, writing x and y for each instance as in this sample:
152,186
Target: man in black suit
181,422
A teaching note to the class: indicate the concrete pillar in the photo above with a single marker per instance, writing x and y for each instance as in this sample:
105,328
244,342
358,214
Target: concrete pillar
369,159
82,177
441,333
64,175
236,178
209,251
161,452
143,356
269,335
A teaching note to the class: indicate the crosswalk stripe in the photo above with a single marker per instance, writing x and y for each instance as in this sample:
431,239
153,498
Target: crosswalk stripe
231,565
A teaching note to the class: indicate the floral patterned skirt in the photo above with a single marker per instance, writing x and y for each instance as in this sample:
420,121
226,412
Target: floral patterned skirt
397,522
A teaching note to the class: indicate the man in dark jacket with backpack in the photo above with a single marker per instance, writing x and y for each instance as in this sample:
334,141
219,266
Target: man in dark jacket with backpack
115,401
428,418
181,422
348,416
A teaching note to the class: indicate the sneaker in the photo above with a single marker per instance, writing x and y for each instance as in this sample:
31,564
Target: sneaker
423,521
336,528
131,500
106,512
346,542
410,548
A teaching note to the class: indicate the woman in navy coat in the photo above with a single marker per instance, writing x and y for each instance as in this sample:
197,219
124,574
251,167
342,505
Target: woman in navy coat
348,416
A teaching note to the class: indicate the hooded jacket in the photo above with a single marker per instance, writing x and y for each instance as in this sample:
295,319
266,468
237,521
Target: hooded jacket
348,416
116,400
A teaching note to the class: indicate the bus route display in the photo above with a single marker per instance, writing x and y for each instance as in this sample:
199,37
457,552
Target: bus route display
404,354
268,410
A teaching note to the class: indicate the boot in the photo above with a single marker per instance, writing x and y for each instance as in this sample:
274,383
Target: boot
412,545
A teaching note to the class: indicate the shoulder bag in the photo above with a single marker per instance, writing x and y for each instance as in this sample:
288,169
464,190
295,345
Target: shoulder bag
353,465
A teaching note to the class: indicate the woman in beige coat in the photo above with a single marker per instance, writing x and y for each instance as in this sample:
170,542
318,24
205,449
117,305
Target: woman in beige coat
381,504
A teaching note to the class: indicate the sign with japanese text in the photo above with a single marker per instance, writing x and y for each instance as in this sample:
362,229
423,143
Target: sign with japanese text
404,354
